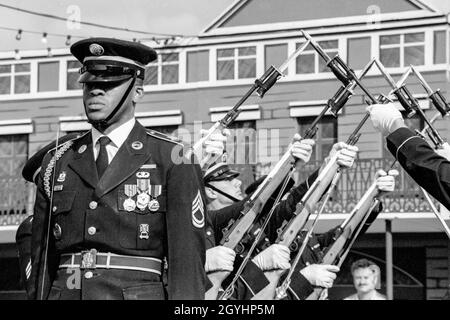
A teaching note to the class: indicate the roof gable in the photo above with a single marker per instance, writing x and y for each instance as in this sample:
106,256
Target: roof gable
259,12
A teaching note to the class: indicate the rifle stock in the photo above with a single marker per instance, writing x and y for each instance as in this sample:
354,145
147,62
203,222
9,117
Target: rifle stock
308,203
348,231
254,205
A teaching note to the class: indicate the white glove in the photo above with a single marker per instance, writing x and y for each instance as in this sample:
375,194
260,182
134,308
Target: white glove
445,151
219,258
320,275
215,144
386,118
302,149
275,257
346,154
386,182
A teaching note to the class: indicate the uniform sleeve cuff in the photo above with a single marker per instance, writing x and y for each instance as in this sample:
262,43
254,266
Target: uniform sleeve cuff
397,138
254,278
300,287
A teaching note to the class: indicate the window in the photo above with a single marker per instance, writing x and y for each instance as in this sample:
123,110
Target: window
48,79
164,70
197,66
309,61
326,135
439,47
402,49
241,144
15,78
73,75
236,63
14,193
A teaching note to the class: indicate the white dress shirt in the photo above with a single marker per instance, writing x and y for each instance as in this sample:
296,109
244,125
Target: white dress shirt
117,136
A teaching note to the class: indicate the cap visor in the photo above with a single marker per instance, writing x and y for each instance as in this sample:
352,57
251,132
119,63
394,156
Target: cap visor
89,77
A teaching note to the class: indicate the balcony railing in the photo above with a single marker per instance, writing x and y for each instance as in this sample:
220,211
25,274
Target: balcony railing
16,200
17,196
354,182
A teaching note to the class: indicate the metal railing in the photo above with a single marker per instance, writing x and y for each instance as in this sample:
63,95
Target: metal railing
17,196
16,200
406,197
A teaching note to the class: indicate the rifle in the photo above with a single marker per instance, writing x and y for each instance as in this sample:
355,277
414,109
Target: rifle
411,105
261,86
339,68
347,232
236,230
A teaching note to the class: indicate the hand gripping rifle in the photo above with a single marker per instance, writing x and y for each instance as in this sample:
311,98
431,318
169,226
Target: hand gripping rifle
281,291
328,178
410,103
314,193
261,86
348,231
237,230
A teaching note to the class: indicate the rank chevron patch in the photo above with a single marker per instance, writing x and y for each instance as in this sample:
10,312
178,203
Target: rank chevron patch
198,211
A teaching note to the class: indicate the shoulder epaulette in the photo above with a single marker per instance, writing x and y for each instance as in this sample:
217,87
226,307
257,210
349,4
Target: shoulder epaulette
71,140
165,137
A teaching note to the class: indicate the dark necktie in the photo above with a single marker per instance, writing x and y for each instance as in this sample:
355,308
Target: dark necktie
102,159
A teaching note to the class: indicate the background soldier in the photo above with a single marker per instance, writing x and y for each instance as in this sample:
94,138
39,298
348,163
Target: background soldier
119,204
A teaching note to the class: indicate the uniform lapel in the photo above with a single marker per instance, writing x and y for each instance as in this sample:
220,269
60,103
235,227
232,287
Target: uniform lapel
83,160
126,162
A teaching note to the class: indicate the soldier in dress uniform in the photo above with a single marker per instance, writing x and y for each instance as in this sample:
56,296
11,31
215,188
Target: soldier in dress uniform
428,167
112,204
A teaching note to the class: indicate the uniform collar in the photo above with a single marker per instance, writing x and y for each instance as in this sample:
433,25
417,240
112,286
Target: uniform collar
117,136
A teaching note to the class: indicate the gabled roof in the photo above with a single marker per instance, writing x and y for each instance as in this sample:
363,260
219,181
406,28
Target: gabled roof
246,16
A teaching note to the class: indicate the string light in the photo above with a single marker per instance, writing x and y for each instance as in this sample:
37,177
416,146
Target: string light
19,34
68,40
44,37
17,54
49,52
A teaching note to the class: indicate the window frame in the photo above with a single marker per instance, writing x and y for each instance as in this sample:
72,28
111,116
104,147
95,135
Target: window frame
12,76
402,45
235,58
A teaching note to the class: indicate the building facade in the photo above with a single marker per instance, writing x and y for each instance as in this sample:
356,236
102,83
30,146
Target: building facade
195,81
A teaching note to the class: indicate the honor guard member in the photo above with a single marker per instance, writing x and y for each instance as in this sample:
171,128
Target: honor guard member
112,204
428,167
220,260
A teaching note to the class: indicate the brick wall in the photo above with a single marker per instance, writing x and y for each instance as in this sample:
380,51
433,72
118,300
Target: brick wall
438,271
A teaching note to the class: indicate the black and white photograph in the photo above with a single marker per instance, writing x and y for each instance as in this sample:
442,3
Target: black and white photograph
226,150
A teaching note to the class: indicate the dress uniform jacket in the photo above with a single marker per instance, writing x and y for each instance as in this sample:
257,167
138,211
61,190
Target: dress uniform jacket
23,242
426,167
89,213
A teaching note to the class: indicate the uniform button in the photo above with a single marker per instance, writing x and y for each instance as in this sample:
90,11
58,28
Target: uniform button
88,275
92,230
93,205
208,233
55,208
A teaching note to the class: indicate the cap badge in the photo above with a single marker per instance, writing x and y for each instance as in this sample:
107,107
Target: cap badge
96,49
137,145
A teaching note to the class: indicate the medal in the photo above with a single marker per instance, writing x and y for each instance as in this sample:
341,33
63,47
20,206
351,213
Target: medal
153,205
142,200
129,204
155,191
